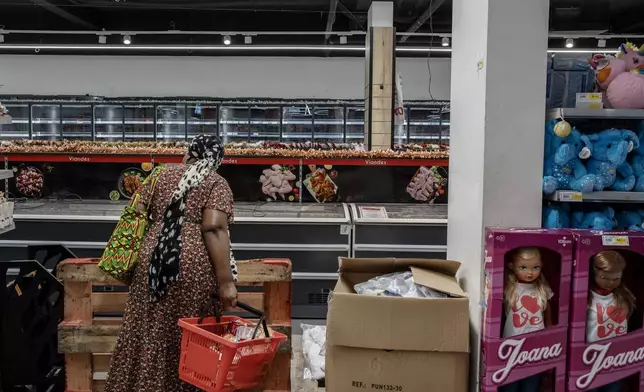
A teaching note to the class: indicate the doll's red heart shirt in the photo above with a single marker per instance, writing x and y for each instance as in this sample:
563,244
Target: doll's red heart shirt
526,314
604,320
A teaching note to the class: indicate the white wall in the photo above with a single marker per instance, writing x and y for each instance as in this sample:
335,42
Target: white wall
225,77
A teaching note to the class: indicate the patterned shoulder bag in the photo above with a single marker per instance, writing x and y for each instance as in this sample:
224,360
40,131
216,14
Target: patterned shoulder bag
122,251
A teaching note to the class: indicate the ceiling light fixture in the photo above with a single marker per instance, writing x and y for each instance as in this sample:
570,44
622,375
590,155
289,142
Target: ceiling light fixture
248,40
601,43
570,43
102,39
127,39
445,41
343,39
227,40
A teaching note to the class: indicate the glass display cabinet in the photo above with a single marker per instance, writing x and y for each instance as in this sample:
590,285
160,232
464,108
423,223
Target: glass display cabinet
20,126
234,121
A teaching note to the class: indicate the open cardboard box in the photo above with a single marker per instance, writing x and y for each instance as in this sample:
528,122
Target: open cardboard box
393,343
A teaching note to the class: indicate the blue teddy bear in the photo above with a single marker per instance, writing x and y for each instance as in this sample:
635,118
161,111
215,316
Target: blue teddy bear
608,163
630,220
556,216
596,220
637,161
562,168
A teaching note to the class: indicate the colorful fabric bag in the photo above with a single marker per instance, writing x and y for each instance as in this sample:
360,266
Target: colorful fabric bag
122,251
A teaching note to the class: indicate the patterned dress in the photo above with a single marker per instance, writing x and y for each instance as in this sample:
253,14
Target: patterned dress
146,358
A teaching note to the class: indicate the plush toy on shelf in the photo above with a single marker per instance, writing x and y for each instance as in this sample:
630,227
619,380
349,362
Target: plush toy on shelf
622,77
562,167
630,220
636,161
603,219
608,163
556,216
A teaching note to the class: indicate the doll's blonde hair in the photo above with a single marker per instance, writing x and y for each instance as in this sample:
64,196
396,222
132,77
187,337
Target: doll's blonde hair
541,285
612,261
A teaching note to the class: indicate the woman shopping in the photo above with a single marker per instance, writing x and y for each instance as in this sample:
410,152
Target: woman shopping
184,258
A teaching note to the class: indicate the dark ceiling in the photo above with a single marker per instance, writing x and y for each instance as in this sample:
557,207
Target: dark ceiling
613,16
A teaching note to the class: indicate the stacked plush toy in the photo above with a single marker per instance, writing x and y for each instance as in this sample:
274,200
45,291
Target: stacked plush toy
609,160
621,78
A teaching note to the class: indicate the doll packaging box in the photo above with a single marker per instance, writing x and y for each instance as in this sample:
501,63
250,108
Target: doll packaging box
606,341
525,311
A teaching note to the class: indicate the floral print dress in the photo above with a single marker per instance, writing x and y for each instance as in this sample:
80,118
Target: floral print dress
146,358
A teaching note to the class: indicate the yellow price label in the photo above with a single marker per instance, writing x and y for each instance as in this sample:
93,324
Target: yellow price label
615,240
595,97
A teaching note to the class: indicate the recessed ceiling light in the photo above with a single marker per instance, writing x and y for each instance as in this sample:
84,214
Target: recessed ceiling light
445,41
570,43
227,40
127,39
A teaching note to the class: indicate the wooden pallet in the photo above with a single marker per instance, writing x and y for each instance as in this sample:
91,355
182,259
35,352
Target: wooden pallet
87,341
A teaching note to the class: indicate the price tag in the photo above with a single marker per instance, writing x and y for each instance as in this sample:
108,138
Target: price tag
570,196
615,240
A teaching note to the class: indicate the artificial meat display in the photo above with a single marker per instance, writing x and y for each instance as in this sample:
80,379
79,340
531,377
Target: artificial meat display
426,184
264,149
29,181
277,180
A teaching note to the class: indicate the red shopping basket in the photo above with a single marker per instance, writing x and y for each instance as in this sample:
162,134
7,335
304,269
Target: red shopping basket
215,364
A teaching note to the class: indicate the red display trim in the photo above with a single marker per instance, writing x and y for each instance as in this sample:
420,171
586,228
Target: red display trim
376,162
233,160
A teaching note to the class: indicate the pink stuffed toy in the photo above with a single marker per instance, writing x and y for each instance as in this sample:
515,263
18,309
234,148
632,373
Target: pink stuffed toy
622,77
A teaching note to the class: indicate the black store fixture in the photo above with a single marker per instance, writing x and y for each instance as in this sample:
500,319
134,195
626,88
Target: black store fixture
31,306
311,235
176,119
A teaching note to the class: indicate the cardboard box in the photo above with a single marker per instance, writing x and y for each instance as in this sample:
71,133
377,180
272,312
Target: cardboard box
507,360
393,343
592,365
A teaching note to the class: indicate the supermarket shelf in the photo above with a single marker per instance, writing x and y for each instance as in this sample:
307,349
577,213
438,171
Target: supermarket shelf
4,174
605,196
632,114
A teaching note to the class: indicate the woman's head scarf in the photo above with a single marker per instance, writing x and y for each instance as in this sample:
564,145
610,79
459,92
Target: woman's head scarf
208,151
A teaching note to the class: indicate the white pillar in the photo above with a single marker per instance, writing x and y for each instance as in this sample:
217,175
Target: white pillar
497,117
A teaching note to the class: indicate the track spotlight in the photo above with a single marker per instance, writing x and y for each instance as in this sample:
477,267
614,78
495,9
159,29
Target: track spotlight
227,40
1,39
102,39
343,39
248,40
570,43
445,41
127,39
601,43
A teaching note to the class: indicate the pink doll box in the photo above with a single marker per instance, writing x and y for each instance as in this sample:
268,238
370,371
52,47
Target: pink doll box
591,365
506,360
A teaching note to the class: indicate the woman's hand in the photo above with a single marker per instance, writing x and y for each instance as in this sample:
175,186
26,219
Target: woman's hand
228,296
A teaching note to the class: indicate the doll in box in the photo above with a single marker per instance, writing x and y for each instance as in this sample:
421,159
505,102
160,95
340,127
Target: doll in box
610,303
526,298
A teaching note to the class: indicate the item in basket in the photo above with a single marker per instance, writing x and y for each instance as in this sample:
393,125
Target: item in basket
426,185
397,284
320,185
130,180
30,181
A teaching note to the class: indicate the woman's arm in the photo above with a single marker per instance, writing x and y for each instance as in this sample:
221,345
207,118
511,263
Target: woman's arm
215,235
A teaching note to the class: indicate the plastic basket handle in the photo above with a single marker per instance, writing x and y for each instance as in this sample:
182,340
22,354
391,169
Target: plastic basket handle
249,309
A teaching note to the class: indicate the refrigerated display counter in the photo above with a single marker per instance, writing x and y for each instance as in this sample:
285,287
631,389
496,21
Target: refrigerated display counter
399,230
313,236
